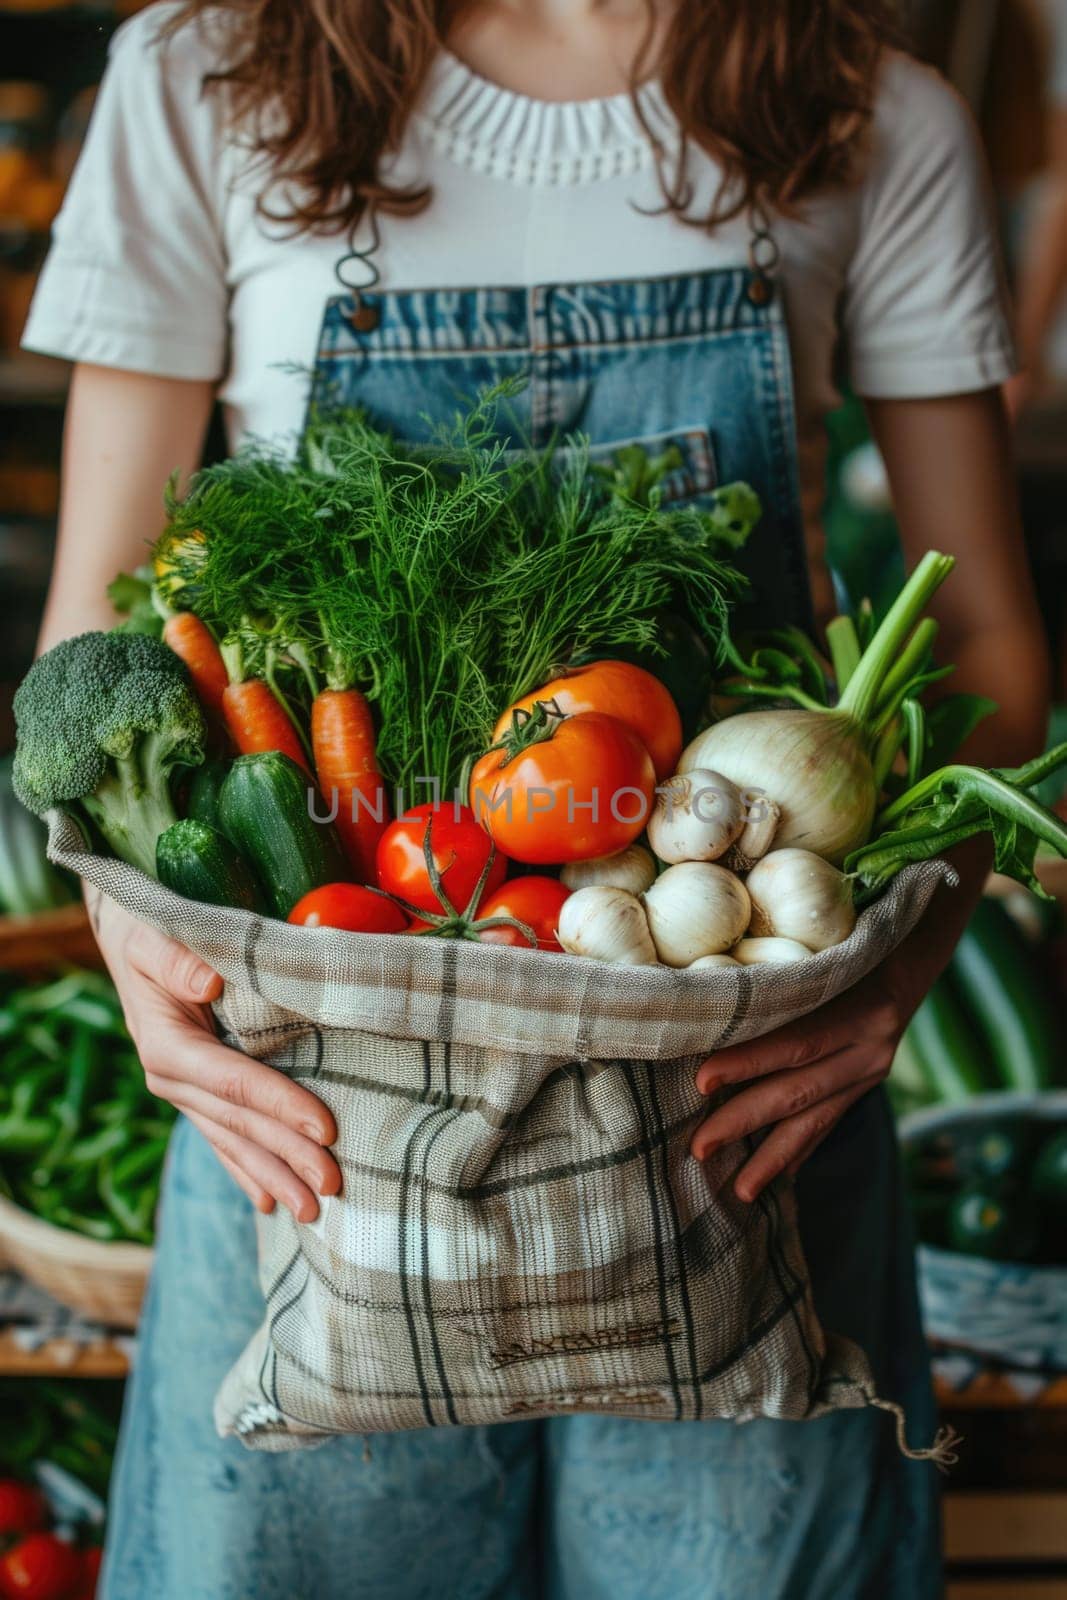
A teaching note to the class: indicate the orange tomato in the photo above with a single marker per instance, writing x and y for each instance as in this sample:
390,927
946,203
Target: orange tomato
619,690
583,790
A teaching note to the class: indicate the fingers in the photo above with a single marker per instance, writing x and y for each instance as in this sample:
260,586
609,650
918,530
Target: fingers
268,1131
177,1051
261,1170
789,1094
173,967
852,1019
789,1145
308,1160
259,1197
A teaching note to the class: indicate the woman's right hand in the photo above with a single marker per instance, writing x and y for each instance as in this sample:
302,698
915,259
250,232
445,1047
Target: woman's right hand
268,1132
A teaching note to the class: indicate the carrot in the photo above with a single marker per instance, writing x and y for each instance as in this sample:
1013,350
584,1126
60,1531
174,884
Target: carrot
342,739
194,643
257,720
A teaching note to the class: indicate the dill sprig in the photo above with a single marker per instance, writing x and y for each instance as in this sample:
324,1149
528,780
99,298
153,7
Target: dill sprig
444,579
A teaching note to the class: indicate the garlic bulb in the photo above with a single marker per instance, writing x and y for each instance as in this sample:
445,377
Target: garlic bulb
695,909
607,925
769,952
632,869
697,815
798,895
708,963
762,816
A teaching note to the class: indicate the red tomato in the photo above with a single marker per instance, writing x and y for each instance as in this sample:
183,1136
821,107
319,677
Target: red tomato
41,1567
535,901
348,906
460,848
585,790
91,1560
22,1507
619,690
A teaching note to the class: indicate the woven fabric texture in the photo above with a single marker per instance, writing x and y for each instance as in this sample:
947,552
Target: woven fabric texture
522,1231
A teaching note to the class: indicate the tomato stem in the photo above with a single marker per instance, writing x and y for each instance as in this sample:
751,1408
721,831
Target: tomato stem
529,728
450,923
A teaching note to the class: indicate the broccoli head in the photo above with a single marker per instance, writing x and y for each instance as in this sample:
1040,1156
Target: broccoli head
102,720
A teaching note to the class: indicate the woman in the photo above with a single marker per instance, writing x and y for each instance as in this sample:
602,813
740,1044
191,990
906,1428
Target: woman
680,222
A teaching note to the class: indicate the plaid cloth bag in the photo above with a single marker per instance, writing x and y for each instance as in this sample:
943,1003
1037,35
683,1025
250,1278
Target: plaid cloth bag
522,1231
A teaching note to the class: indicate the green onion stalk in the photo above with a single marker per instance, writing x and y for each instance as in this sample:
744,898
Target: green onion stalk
825,766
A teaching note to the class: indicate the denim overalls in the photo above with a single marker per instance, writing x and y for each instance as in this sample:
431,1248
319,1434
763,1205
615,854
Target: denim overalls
583,1507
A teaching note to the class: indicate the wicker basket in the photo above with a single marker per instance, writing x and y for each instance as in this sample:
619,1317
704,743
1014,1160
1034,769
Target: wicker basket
1003,1311
104,1282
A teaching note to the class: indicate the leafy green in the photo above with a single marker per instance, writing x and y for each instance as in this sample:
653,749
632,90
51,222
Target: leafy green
443,579
955,803
131,596
950,722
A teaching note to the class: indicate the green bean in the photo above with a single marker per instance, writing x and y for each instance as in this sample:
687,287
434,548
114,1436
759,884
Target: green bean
69,1110
25,1135
107,1141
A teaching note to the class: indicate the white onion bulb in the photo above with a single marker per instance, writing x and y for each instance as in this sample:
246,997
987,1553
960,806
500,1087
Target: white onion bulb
813,762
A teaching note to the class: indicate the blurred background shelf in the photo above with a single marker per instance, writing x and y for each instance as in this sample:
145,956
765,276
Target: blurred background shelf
40,1338
31,380
60,1358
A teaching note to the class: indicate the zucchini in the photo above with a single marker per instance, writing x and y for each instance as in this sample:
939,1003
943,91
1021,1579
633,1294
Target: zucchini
198,862
263,809
949,1051
992,968
204,791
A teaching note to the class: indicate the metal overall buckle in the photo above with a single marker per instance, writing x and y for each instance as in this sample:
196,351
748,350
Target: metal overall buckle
764,257
364,316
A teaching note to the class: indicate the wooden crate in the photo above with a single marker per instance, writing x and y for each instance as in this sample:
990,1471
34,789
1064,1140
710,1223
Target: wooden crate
40,943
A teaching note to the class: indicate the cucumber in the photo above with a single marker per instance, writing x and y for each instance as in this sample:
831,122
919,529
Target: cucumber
204,791
1000,1153
992,969
949,1051
28,881
263,809
196,861
1049,1182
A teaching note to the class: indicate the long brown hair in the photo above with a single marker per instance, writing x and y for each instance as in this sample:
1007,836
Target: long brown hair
777,92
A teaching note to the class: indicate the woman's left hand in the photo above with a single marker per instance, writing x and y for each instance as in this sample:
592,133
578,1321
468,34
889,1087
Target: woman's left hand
803,1077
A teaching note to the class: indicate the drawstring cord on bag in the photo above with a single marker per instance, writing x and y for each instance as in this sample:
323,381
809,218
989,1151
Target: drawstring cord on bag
943,1453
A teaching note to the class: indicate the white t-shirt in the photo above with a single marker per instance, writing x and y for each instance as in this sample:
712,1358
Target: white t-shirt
160,264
